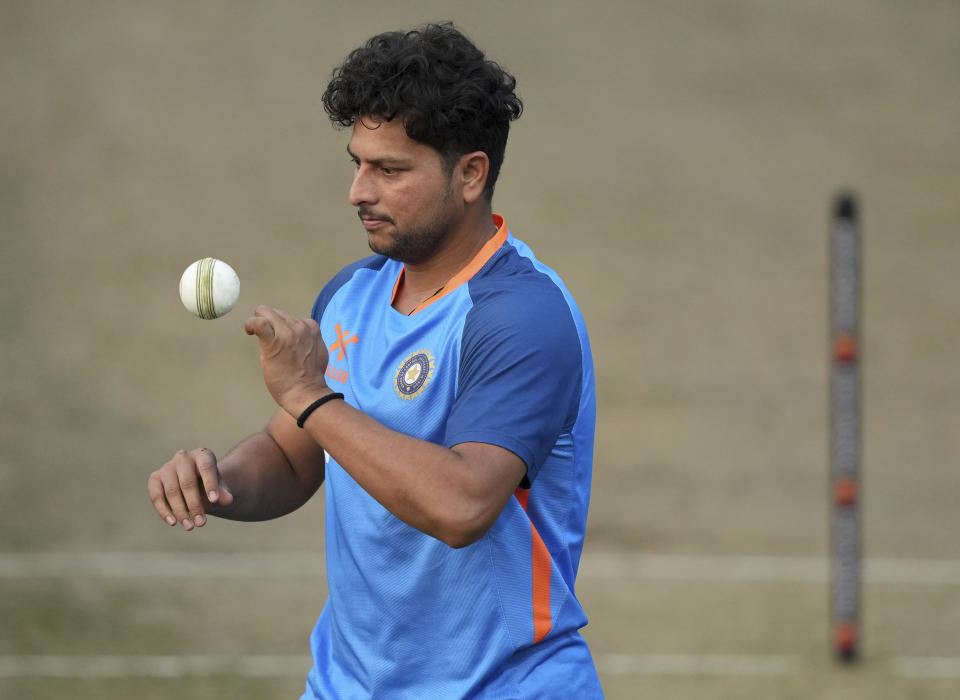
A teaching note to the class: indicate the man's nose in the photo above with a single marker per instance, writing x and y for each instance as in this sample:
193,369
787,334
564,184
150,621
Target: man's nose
362,190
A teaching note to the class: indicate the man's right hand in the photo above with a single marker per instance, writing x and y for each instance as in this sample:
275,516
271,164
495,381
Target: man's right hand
183,489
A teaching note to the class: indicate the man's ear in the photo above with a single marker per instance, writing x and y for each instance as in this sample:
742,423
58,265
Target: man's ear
473,169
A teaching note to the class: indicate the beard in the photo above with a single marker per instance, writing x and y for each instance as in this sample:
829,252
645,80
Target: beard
416,245
412,246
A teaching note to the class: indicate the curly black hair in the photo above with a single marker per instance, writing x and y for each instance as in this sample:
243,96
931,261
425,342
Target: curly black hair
439,83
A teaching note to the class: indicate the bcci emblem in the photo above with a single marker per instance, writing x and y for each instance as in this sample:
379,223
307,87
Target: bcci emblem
414,375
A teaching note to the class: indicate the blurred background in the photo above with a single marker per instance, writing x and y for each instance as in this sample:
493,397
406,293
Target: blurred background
675,162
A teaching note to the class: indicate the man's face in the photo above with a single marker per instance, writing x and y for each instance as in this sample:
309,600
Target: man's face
406,201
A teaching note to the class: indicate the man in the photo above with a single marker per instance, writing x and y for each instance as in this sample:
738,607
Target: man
449,381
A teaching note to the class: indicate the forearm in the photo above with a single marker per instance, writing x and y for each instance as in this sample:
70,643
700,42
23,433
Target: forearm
454,494
263,481
430,487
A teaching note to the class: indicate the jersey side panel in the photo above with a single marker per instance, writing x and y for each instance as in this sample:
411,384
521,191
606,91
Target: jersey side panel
581,439
521,386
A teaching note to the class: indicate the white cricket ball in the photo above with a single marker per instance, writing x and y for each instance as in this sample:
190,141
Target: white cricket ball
209,288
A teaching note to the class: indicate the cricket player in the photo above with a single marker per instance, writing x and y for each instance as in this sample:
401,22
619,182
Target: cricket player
442,390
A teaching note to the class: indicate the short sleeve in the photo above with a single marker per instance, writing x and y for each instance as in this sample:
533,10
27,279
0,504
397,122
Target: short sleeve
373,262
520,374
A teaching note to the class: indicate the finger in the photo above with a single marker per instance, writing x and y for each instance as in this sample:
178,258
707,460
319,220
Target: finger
260,327
206,463
190,486
174,496
155,489
305,327
279,319
226,496
284,316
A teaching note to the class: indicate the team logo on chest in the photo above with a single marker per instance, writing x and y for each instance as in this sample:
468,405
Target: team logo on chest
414,374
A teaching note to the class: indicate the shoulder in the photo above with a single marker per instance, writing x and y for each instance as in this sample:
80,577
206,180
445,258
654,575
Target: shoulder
518,301
342,278
515,287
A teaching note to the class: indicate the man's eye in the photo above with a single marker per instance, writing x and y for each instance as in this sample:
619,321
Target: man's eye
388,171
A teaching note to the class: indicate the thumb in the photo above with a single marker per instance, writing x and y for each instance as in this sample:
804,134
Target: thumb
225,497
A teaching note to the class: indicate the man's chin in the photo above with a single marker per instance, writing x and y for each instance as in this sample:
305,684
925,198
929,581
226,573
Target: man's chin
407,247
377,244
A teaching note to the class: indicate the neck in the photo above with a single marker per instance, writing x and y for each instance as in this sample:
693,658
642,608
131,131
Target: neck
426,279
458,249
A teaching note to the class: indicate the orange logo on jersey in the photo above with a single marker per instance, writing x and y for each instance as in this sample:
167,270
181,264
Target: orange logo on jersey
337,374
343,340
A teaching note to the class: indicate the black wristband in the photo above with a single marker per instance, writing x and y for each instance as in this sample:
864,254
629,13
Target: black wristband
315,405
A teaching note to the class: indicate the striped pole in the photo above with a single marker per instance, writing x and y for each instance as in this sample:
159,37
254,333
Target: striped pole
845,427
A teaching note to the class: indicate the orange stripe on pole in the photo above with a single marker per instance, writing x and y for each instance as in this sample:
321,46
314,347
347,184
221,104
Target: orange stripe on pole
541,565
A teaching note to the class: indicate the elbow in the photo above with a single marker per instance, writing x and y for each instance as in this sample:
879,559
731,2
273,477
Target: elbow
465,527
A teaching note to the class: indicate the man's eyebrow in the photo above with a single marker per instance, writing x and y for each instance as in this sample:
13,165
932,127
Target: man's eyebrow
393,160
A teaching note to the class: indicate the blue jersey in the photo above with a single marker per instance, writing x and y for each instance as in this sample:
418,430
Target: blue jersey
501,357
